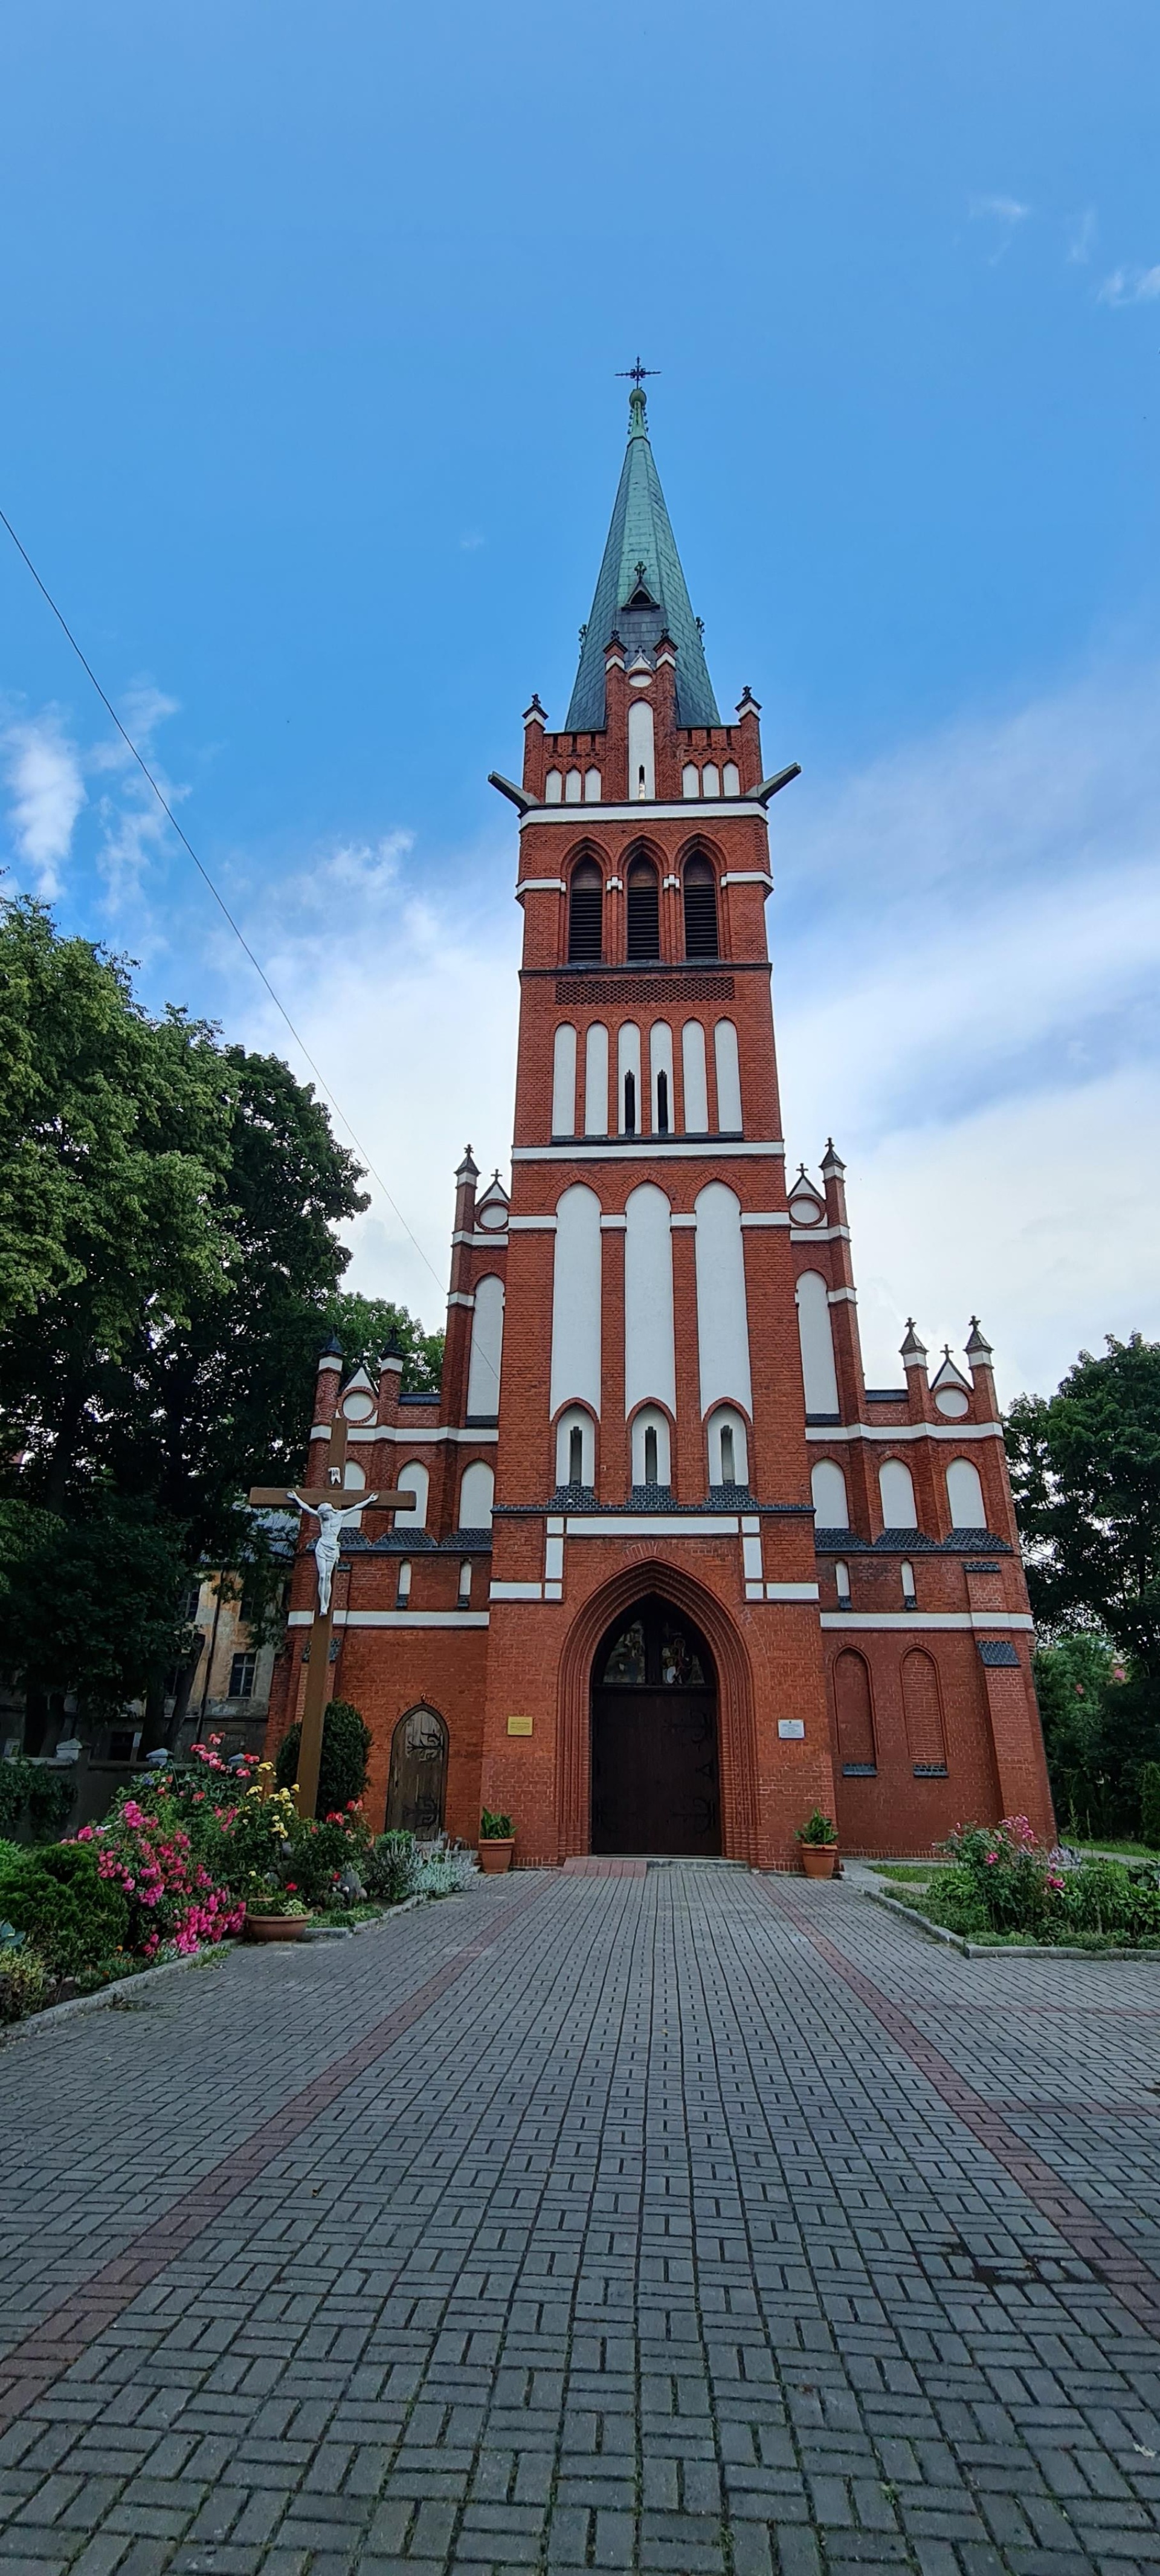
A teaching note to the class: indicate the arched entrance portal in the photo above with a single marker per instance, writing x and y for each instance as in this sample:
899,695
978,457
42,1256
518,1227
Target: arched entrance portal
655,1784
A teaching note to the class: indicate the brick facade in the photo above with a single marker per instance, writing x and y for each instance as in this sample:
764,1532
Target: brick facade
879,1668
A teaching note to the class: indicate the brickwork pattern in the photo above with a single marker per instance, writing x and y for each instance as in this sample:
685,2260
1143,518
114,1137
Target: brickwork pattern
688,2221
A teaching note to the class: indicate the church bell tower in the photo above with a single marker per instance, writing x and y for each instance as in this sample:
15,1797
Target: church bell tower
653,1493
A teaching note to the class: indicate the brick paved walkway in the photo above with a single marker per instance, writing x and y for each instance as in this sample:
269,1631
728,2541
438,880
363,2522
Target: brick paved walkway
682,2221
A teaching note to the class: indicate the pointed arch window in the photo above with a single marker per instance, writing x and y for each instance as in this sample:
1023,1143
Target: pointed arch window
585,911
643,909
699,886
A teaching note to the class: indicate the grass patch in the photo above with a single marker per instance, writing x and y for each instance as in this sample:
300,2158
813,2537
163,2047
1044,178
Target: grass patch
906,1873
1122,1851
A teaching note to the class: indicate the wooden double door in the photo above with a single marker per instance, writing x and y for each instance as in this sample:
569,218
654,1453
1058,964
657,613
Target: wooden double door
655,1780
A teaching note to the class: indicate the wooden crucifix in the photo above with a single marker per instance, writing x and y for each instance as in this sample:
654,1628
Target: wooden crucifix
333,1504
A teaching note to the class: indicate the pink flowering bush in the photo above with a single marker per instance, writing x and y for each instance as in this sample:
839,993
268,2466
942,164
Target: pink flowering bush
175,1899
1004,1883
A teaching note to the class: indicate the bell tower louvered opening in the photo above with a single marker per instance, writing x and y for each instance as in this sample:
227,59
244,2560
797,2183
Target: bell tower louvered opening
644,909
700,894
585,906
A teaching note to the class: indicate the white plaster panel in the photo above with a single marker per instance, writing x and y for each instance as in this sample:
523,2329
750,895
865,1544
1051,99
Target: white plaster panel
486,1347
729,1120
628,1061
564,1081
596,1081
660,1059
576,1301
819,1375
831,1502
896,1494
641,763
965,1495
696,1085
649,1363
476,1495
722,1315
415,1479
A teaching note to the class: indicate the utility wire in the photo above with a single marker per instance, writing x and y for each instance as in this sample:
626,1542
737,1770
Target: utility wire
218,897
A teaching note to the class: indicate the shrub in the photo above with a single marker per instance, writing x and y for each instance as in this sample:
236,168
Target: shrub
25,1980
1150,1805
342,1773
31,1789
322,1851
64,1904
445,1870
173,1896
392,1868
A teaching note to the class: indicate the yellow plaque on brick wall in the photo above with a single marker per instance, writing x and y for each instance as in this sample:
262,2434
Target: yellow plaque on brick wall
519,1726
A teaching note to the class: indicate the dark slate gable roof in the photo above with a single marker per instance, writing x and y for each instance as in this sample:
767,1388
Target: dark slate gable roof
641,533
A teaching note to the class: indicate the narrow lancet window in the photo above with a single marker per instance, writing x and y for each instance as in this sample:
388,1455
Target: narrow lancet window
662,1104
630,1104
700,894
584,914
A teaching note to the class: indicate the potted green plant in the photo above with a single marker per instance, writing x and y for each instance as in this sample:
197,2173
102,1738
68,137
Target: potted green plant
274,1913
818,1844
497,1842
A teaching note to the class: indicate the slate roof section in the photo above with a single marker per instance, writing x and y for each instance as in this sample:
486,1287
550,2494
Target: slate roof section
641,534
900,1542
996,1650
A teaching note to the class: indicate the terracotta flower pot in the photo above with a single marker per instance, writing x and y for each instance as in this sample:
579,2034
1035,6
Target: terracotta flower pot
274,1927
819,1860
496,1855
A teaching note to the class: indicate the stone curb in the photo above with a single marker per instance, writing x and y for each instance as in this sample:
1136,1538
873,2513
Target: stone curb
104,1995
995,1950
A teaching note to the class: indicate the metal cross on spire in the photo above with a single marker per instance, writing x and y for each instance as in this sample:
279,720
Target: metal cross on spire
638,373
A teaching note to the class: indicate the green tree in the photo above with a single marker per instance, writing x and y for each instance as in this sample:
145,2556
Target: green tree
1085,1472
342,1771
168,1266
368,1326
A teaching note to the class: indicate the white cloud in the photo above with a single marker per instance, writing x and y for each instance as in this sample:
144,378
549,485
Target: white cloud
967,965
134,827
1004,215
966,938
1131,286
43,770
410,1012
353,873
1082,237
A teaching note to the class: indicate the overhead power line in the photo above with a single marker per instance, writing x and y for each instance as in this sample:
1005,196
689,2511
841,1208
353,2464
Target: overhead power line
215,891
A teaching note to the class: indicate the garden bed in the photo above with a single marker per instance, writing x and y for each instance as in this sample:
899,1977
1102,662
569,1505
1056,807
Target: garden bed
995,1890
186,1857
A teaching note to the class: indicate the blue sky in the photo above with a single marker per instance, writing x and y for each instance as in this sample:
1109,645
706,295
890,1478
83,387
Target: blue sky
311,322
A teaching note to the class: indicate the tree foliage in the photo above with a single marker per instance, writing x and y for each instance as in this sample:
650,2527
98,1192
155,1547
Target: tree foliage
369,1326
169,1268
1085,1472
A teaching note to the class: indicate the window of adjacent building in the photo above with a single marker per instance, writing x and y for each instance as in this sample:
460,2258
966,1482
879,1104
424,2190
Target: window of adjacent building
699,887
192,1599
643,910
242,1671
585,908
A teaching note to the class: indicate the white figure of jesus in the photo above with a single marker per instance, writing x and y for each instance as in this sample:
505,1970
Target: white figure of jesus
326,1546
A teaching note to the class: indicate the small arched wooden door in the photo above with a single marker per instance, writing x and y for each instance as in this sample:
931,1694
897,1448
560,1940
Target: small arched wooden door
418,1778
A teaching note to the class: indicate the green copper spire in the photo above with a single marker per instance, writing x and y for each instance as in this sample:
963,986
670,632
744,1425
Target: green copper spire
641,592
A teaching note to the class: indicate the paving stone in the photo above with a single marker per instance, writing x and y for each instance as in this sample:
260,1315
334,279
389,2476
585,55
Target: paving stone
686,2187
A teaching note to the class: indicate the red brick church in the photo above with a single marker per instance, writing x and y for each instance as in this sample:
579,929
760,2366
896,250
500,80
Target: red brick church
673,1574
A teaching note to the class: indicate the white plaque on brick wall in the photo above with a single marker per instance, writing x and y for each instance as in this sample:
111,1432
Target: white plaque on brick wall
791,1726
